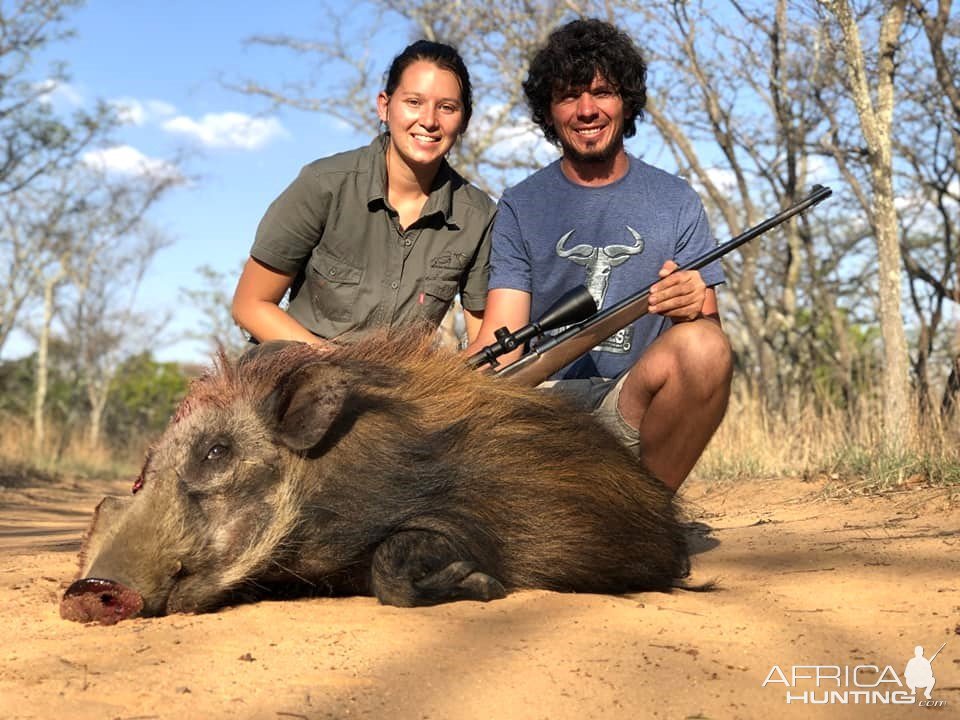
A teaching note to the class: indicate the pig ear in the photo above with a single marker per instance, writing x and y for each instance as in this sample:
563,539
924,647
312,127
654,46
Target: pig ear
306,402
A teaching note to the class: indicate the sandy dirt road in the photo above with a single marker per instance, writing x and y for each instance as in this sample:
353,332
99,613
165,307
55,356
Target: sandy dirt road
803,581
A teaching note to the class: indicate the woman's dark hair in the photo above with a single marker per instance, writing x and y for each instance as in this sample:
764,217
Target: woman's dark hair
444,57
573,56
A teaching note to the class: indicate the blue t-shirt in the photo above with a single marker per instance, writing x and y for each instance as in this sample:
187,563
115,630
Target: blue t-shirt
551,235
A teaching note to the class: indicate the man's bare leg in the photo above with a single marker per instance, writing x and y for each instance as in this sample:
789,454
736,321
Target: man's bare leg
676,395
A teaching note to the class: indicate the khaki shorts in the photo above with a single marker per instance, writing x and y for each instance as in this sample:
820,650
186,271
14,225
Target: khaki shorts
600,397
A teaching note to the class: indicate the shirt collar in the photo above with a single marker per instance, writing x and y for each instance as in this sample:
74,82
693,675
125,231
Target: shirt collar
441,195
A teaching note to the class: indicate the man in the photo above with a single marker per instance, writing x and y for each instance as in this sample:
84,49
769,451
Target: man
661,384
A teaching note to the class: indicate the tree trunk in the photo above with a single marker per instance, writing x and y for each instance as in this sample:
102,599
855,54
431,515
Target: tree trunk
899,415
43,345
97,394
948,405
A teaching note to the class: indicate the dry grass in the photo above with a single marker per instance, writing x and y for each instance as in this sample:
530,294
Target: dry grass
842,446
63,453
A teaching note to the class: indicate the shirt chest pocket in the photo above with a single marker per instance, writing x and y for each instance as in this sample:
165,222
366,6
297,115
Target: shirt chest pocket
447,266
334,287
436,297
441,284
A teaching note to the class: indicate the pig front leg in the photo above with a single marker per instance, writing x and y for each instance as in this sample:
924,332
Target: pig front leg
419,567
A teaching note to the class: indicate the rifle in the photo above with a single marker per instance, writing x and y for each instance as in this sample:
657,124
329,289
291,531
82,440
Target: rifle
587,327
936,653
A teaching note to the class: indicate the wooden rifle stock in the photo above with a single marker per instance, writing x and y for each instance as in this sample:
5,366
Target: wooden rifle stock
560,350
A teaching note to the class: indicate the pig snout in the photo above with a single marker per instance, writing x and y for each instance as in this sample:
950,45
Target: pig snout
101,601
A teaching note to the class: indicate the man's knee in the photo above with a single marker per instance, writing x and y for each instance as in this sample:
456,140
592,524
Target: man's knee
696,354
704,346
715,359
709,369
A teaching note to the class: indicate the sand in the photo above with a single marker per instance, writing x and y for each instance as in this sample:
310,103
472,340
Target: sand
804,579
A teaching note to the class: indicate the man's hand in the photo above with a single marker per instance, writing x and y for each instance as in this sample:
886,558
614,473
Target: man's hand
680,296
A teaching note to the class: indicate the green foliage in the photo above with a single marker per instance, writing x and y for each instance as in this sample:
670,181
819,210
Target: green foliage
143,397
65,401
865,470
831,383
16,386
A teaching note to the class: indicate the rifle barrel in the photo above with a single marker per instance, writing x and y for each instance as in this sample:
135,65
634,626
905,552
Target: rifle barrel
562,349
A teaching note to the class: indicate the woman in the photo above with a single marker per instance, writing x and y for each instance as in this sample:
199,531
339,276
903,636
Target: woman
382,235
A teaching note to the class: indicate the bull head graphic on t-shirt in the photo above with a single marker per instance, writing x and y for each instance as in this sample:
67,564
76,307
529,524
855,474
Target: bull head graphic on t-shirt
599,261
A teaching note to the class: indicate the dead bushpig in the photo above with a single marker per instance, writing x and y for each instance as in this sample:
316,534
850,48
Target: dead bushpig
386,467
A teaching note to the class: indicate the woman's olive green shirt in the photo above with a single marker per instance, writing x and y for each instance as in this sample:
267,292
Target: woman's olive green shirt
354,268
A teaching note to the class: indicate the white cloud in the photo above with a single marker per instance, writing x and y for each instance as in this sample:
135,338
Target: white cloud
127,160
513,136
918,208
912,201
138,112
523,137
340,125
228,130
723,178
819,170
54,91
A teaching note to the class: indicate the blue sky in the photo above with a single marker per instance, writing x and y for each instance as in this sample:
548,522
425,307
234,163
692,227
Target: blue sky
165,61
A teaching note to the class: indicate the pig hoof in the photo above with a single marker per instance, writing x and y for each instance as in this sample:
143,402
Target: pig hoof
480,586
419,567
459,581
101,601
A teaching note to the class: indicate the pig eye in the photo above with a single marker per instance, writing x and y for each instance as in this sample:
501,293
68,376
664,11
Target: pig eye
217,452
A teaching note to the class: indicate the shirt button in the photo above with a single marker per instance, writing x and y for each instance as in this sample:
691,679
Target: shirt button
332,272
407,243
394,285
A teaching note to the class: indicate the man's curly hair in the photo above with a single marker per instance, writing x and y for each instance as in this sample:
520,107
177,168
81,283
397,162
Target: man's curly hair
572,57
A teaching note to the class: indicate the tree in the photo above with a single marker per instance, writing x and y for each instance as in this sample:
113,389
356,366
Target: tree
143,395
112,248
23,258
64,228
93,226
933,153
495,38
730,101
753,102
36,217
874,99
34,138
37,143
214,324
